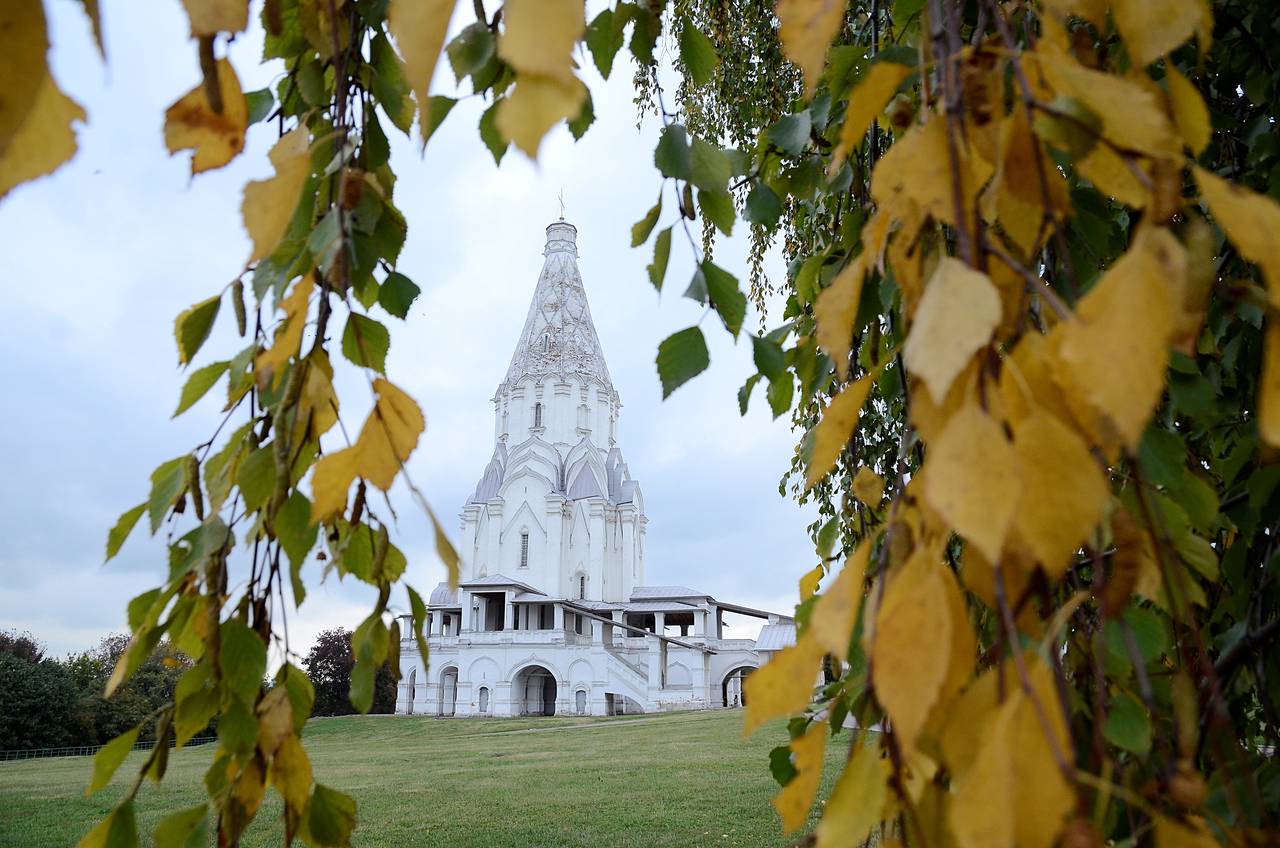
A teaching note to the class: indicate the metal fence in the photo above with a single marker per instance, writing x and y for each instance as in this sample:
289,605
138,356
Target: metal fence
88,750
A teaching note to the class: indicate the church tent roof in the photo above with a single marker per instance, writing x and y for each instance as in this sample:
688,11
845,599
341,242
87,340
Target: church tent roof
496,581
644,593
775,637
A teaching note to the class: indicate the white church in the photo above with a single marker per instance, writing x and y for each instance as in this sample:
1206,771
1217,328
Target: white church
552,615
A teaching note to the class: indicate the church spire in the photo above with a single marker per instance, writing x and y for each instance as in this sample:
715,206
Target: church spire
559,337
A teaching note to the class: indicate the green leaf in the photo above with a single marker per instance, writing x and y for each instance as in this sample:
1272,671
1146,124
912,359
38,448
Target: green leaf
728,300
326,239
904,9
471,50
167,483
389,85
124,526
199,383
191,327
260,103
681,357
641,229
419,610
242,657
648,26
672,155
184,829
377,150
397,294
763,206
744,393
438,108
301,692
661,253
697,289
311,83
330,817
791,132
698,53
365,342
109,758
709,166
780,765
257,478
117,830
604,40
768,356
1163,457
237,727
579,125
489,134
297,536
718,207
780,392
1128,726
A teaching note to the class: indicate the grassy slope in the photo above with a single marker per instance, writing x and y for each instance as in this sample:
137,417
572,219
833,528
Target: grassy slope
679,779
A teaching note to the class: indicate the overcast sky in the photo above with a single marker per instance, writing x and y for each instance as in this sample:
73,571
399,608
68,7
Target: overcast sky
101,256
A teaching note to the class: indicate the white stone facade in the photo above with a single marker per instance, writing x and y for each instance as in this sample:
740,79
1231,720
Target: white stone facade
552,615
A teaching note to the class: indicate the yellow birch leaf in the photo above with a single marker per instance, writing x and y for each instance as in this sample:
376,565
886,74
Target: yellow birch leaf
45,140
1027,382
1189,112
836,611
539,36
275,720
857,803
834,311
1152,28
1192,834
963,645
317,403
534,106
1042,797
930,419
191,124
1109,173
972,479
1064,492
868,487
268,205
836,426
980,810
866,100
1133,566
1016,567
809,582
270,364
1132,117
1269,386
875,236
330,483
1018,174
959,311
964,730
419,28
1249,219
795,799
389,435
24,43
783,685
907,669
209,17
806,28
918,168
1113,357
290,773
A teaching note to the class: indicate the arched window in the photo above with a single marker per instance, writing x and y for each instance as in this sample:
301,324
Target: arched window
580,701
484,700
524,548
582,587
537,415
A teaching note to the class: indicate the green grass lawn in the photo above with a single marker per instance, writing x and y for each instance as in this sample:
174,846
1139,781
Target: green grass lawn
679,779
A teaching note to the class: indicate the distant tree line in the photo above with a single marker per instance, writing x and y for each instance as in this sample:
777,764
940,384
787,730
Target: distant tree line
46,702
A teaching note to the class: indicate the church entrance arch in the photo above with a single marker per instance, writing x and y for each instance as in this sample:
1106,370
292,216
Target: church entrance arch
449,691
484,700
534,691
412,691
731,690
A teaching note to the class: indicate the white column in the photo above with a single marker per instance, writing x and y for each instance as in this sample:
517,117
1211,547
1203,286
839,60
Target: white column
559,618
659,622
466,612
700,624
510,623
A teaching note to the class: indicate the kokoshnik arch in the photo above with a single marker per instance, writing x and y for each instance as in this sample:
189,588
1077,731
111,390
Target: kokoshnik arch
552,615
